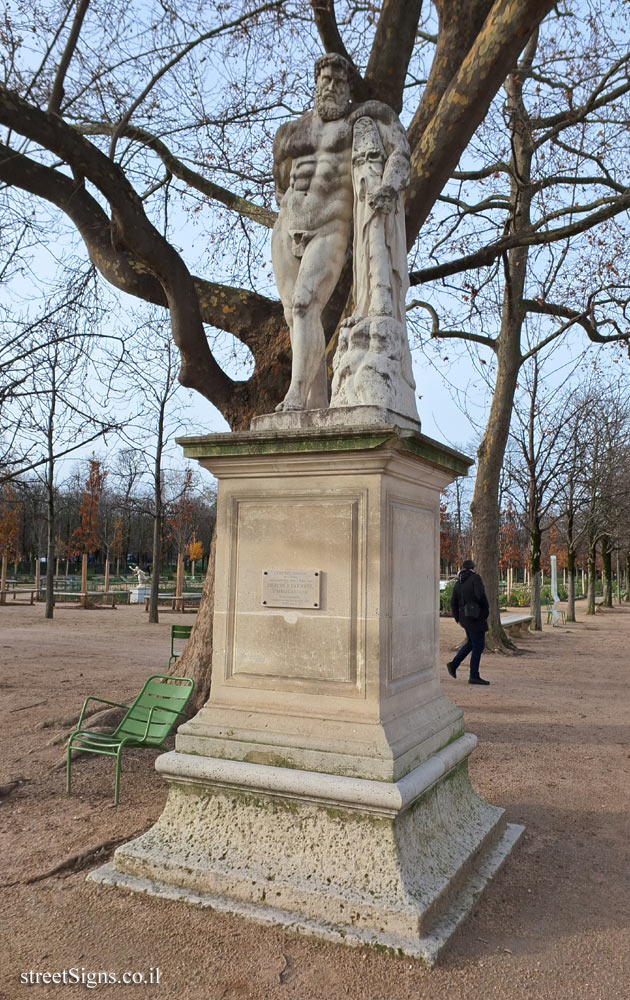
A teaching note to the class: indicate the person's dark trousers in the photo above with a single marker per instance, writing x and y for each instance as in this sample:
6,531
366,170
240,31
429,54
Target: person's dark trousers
475,644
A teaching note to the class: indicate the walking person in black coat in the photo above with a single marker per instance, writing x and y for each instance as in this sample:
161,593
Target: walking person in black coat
469,605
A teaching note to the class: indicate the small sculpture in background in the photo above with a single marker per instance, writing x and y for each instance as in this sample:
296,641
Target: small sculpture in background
142,577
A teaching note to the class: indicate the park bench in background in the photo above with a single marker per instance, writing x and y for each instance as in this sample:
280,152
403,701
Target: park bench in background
146,723
516,623
94,598
179,633
18,595
112,597
177,603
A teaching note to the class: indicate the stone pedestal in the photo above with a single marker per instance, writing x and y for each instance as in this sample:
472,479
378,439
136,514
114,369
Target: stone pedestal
324,785
138,594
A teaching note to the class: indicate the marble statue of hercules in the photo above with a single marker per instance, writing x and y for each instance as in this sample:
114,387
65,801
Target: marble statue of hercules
312,162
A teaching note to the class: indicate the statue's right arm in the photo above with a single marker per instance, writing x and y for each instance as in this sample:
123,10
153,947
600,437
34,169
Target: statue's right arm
281,162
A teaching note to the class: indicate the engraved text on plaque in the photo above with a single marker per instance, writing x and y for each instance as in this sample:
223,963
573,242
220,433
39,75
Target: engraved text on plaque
291,588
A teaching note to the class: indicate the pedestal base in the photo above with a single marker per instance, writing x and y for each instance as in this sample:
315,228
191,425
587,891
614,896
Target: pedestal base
334,417
364,862
138,595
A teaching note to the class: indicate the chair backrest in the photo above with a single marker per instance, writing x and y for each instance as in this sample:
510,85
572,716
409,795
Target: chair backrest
168,697
179,632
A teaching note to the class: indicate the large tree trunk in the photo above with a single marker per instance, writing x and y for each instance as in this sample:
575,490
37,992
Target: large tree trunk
179,582
484,508
157,565
485,505
50,507
627,577
196,659
50,553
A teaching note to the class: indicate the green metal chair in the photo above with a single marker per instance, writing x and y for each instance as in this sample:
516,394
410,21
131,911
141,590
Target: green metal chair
146,723
549,605
178,632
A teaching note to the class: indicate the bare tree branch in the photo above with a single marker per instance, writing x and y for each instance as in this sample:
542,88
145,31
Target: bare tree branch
465,102
584,318
257,213
328,29
184,51
437,333
486,255
243,313
56,94
391,50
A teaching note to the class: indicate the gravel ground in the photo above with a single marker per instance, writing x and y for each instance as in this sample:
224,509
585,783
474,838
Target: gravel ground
554,750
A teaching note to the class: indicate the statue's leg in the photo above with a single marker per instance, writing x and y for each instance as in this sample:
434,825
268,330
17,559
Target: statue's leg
319,272
285,267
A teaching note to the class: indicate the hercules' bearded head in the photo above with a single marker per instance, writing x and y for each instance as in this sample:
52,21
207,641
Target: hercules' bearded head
332,87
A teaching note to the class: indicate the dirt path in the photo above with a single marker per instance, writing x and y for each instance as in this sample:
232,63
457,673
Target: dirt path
554,750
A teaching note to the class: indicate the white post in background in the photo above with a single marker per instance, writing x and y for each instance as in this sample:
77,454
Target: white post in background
554,591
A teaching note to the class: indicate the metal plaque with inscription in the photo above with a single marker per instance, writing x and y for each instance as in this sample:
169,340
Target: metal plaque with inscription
291,588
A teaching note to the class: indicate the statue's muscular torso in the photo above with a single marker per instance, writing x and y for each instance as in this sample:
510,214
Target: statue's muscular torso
313,173
313,169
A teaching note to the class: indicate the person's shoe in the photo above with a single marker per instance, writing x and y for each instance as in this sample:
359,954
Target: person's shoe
477,680
452,669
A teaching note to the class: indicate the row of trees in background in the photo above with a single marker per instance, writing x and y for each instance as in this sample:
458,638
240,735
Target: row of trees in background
565,489
62,389
105,517
534,223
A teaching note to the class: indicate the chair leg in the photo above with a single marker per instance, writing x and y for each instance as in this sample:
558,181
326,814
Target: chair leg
117,782
68,766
